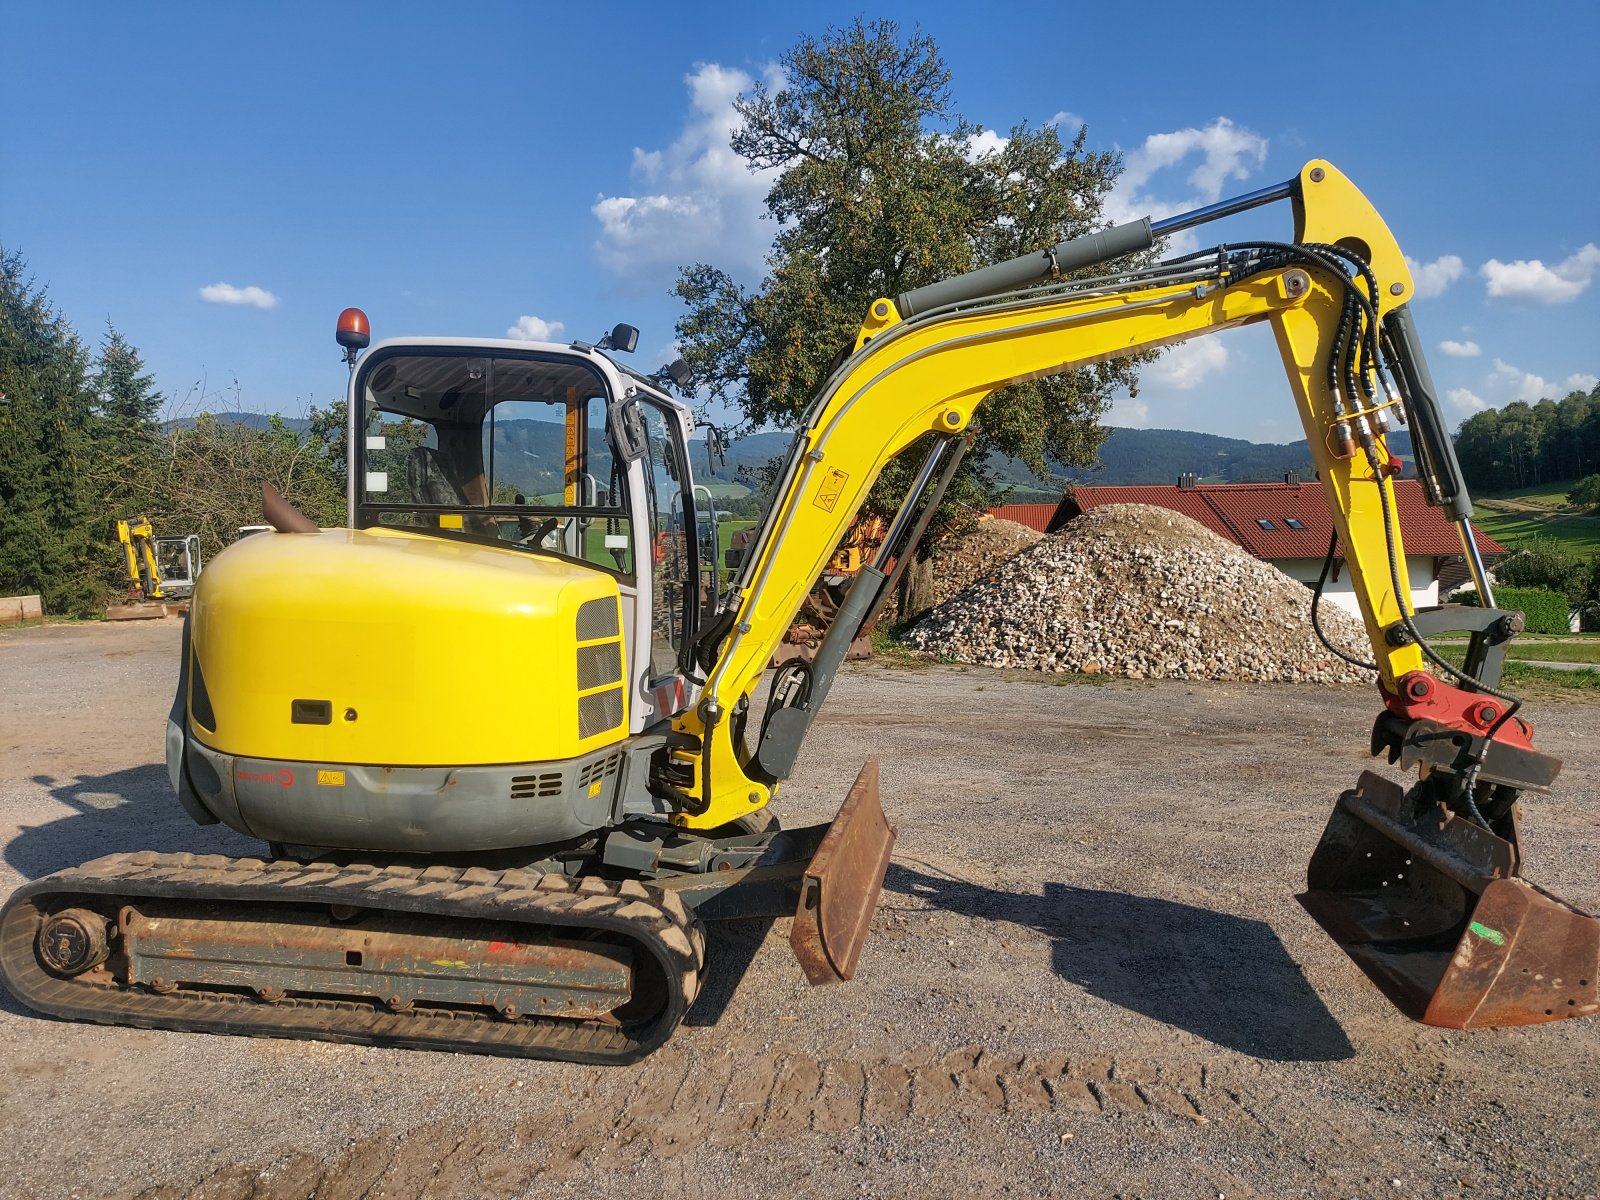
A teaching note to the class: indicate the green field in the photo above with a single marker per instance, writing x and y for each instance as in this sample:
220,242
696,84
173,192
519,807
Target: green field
1520,675
1512,517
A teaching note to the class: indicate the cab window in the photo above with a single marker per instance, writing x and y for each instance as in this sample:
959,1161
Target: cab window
509,450
673,550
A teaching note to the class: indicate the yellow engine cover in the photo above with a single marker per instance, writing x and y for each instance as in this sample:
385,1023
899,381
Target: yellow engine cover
393,648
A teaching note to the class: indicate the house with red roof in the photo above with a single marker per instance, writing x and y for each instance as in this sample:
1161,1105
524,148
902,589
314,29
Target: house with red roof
1287,524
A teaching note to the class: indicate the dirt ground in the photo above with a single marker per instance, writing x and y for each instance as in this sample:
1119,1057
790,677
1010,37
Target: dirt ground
1088,978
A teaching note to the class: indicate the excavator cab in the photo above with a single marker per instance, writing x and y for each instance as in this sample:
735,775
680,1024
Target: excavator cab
550,456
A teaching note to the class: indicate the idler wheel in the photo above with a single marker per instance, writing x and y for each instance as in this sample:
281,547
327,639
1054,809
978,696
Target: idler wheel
73,940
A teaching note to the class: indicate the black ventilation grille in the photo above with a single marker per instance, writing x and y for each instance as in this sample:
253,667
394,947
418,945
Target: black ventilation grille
598,619
530,787
599,712
601,768
599,665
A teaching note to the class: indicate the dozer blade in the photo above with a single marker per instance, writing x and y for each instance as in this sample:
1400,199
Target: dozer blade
1429,905
842,884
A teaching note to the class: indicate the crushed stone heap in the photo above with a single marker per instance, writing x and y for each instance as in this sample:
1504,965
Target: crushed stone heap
1147,593
960,562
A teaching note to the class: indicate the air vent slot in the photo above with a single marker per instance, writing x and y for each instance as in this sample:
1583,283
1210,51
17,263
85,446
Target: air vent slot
601,768
598,619
599,712
534,787
599,665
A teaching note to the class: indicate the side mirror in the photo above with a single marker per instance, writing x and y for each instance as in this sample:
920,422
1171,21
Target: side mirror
716,449
622,337
627,428
678,371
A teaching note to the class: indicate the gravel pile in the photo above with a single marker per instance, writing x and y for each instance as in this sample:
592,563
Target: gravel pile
1147,593
960,562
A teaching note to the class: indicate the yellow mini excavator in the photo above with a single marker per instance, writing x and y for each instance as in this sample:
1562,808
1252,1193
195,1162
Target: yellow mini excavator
159,568
496,733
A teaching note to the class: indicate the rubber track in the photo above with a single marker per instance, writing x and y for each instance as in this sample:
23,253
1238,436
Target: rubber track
656,925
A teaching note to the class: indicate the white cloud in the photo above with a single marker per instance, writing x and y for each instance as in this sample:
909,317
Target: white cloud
535,329
1530,279
986,143
1464,401
1513,383
695,199
1128,413
1433,278
1227,152
1068,123
1187,364
1460,349
226,293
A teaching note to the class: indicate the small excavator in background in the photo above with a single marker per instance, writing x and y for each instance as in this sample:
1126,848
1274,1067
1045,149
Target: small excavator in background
159,569
498,808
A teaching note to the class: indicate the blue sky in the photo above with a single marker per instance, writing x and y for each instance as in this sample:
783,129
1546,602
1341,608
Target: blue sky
220,180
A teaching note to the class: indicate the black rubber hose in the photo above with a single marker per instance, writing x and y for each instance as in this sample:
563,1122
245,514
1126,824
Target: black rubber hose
1316,599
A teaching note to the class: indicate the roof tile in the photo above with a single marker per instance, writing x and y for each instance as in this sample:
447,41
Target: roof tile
1234,510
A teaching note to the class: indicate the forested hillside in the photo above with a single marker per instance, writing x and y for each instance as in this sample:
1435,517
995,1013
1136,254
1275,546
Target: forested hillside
1524,445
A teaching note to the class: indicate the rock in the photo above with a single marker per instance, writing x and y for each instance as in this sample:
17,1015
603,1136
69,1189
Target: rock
1137,591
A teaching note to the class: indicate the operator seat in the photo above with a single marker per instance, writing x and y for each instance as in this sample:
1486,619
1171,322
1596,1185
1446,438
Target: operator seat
428,477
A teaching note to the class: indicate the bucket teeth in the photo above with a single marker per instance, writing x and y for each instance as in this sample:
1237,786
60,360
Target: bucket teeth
1431,907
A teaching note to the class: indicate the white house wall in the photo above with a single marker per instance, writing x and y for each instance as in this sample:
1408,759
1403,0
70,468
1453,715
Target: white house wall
1422,571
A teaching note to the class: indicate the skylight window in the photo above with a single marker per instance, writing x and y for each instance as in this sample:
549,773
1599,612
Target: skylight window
1294,523
1264,523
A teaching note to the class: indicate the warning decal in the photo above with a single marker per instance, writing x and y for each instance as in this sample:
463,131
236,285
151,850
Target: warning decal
828,494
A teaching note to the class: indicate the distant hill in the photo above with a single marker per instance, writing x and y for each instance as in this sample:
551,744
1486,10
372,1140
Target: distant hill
1128,456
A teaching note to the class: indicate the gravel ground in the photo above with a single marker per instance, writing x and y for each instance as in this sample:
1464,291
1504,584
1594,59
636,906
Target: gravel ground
1088,977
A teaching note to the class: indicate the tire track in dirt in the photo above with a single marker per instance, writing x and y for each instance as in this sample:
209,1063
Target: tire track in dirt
680,1102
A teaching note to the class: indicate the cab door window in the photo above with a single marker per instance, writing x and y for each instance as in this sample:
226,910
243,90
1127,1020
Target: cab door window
674,554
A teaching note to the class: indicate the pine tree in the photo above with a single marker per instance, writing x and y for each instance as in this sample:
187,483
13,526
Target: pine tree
47,516
128,477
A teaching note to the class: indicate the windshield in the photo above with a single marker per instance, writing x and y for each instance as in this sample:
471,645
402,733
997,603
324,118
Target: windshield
509,449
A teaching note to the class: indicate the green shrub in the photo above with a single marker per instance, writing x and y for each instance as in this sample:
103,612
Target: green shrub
1546,611
1585,493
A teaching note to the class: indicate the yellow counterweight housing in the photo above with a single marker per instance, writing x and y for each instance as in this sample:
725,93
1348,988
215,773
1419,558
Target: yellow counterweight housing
393,648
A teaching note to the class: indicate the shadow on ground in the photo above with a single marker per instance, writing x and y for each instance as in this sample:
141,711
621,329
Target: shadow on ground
1226,978
730,948
130,809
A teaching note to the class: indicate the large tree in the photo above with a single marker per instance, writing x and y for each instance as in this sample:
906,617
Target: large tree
882,186
129,474
47,507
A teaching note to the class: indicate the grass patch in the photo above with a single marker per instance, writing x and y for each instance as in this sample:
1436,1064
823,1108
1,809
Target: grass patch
1578,533
1580,652
1547,495
889,651
1539,510
1534,678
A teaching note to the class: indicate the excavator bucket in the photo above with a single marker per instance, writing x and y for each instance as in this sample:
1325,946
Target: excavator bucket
1429,905
842,884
